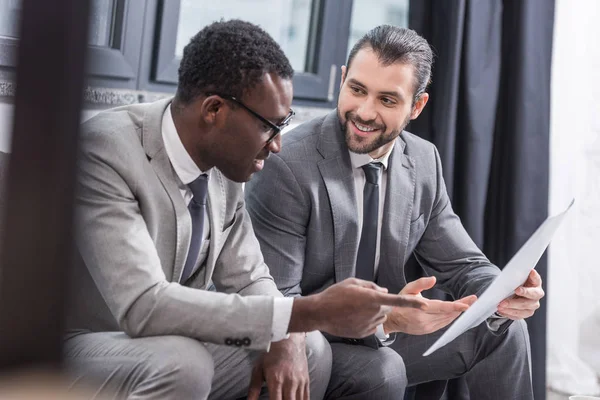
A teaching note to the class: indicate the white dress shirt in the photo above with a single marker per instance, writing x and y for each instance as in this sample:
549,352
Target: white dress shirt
357,161
187,171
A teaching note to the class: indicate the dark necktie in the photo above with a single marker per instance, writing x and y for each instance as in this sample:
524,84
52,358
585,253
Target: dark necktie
197,206
365,259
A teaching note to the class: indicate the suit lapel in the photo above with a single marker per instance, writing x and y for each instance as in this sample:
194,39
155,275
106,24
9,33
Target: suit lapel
155,151
336,171
397,211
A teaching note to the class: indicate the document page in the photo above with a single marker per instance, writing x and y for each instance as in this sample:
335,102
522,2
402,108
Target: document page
512,276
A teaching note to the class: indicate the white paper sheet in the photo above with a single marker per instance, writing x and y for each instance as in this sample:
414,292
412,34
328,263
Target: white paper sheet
512,276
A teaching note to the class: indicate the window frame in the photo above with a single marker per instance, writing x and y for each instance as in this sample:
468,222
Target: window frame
326,52
142,53
113,66
117,66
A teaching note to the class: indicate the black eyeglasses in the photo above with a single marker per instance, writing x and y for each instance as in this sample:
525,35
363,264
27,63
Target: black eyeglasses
276,128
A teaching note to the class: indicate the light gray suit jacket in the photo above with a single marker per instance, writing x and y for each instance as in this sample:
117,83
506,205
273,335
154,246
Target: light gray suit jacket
304,213
133,234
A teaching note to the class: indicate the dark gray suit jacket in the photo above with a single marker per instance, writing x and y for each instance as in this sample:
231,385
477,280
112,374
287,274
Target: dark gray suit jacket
304,213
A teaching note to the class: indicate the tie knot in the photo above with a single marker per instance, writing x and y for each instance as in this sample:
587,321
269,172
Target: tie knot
199,188
372,171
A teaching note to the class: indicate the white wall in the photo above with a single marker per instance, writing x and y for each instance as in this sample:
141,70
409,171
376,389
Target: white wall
574,273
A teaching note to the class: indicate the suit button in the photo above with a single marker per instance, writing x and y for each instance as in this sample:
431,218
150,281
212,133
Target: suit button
229,342
238,342
246,341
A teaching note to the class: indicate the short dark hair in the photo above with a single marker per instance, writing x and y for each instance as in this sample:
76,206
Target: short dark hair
229,57
392,45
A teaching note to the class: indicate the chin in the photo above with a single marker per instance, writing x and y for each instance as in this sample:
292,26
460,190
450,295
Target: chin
235,176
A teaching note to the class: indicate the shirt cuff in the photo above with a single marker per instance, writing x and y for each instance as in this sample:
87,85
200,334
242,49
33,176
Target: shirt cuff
383,339
282,312
495,321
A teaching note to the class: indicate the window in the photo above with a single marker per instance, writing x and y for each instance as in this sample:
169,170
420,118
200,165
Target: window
287,21
311,32
367,14
10,12
114,36
138,44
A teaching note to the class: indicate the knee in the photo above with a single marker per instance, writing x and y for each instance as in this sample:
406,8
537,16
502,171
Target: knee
384,375
318,353
517,337
182,367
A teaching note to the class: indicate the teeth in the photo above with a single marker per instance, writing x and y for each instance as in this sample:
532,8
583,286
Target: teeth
363,128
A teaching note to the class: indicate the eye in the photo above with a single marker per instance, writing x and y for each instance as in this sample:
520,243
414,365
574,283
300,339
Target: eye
356,90
387,101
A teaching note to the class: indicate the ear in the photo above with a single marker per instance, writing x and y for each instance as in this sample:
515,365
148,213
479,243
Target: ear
212,109
419,105
343,76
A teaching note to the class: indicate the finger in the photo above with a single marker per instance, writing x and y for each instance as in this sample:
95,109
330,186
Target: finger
469,300
290,391
303,392
275,389
400,300
516,314
256,381
421,284
521,303
441,307
534,279
370,285
534,293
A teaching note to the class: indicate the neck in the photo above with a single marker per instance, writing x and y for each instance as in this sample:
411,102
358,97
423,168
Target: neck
185,127
381,151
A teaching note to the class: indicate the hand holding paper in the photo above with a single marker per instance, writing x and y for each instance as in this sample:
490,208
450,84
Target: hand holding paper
516,273
526,299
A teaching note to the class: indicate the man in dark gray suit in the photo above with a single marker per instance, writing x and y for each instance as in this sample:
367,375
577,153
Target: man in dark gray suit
353,194
173,299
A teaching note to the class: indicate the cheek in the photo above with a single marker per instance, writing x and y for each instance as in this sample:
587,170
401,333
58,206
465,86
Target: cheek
396,119
346,102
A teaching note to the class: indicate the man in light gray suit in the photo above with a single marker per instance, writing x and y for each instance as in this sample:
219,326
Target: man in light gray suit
356,195
172,299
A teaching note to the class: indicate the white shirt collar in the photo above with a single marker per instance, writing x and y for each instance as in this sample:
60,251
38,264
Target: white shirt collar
185,168
358,160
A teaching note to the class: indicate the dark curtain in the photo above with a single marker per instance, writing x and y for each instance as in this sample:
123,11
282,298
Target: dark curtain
489,116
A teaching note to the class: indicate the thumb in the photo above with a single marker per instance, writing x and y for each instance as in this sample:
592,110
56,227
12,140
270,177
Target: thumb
416,287
256,381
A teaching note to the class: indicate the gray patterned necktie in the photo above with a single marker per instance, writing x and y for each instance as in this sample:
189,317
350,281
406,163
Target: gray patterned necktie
365,259
197,207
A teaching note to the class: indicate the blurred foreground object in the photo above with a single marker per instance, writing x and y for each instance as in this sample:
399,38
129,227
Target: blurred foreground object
36,238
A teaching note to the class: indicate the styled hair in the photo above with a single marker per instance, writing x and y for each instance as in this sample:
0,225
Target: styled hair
392,45
229,57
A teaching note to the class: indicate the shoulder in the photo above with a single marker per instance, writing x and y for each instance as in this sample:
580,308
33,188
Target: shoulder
422,152
114,123
114,134
302,139
416,146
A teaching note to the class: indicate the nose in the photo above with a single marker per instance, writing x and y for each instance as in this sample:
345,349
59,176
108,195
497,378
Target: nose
275,145
366,111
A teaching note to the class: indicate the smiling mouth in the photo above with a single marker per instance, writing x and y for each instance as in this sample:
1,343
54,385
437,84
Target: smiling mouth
364,130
